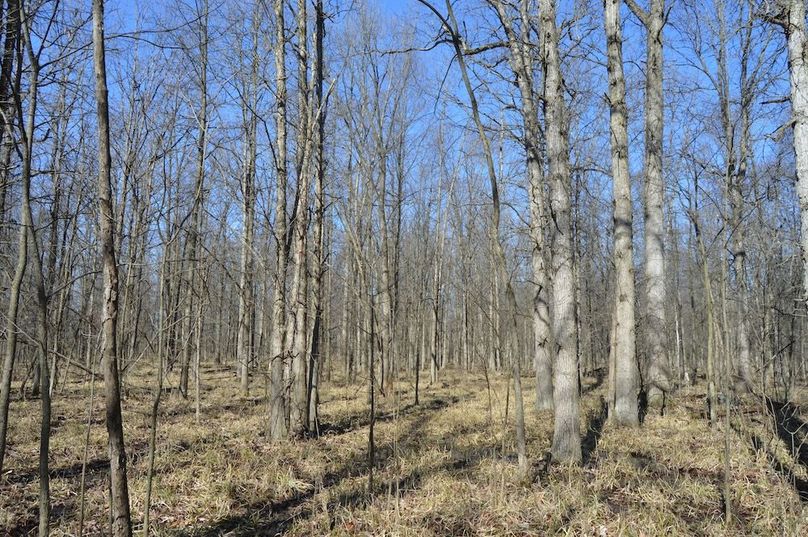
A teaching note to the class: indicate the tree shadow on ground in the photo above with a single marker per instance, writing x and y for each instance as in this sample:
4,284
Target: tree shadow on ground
793,432
594,431
96,468
275,517
800,485
30,523
356,422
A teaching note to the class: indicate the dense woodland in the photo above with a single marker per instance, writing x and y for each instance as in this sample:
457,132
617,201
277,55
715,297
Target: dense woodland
541,243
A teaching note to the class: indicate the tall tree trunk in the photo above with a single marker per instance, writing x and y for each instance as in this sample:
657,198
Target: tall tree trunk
119,490
318,276
246,304
709,305
278,425
522,65
11,35
9,86
39,276
566,434
192,246
736,178
798,69
626,375
298,322
738,274
658,370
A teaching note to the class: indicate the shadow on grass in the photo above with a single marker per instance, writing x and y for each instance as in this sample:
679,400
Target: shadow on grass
790,428
96,468
30,523
594,431
793,432
275,517
353,423
800,485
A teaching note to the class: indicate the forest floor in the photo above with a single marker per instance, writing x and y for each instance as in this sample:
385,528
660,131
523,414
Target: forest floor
444,467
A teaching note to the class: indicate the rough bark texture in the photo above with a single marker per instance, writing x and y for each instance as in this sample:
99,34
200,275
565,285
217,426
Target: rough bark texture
735,178
298,323
625,410
657,380
798,68
566,433
318,331
246,303
278,427
522,65
8,86
738,274
119,491
11,34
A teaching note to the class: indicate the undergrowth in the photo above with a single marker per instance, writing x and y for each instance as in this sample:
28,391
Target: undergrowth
444,467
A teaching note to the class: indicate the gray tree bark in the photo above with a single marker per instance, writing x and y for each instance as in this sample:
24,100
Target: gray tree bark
246,304
566,429
12,28
798,69
297,326
119,488
522,65
278,426
658,371
625,409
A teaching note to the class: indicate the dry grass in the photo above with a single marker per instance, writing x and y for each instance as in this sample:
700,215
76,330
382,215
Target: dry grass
446,467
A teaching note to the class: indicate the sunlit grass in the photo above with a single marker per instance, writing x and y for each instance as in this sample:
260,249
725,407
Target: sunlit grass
447,467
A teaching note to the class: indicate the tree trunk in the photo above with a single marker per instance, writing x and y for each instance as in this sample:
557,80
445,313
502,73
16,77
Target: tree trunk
11,35
658,373
798,69
119,503
193,241
626,375
8,87
278,426
566,434
39,279
298,322
318,276
522,65
246,304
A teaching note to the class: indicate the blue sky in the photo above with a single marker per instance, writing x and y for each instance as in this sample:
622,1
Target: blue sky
693,97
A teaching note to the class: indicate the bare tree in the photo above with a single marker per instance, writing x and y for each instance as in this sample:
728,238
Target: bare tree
12,30
792,19
624,409
278,426
521,61
658,376
119,489
566,433
246,305
297,324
